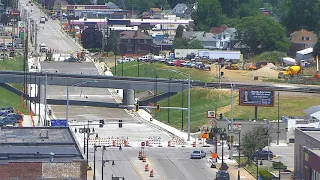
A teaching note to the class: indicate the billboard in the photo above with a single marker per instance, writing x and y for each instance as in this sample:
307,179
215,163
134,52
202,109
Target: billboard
59,122
256,97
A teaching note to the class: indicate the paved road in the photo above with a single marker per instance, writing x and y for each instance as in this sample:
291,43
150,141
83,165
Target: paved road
49,33
167,163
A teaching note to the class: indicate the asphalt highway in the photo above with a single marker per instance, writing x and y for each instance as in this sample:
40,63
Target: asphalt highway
50,33
167,163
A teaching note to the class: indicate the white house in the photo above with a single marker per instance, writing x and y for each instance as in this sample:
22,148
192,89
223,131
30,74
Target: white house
224,36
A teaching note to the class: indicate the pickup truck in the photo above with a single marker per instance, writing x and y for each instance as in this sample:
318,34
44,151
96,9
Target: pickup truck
42,20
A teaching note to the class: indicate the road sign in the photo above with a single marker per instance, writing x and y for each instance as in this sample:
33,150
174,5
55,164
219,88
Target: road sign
21,35
21,24
214,155
143,144
205,135
59,122
211,114
15,13
237,127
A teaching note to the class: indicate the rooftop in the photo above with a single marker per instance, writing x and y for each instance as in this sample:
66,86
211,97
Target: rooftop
312,132
36,143
316,151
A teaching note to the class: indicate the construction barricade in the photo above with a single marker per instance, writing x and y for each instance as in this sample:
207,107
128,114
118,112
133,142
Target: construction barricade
154,141
99,141
176,141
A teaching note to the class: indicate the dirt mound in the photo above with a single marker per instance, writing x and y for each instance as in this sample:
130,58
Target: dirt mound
271,66
266,72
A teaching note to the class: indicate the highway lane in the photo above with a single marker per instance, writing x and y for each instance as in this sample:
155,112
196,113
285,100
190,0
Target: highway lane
50,33
167,163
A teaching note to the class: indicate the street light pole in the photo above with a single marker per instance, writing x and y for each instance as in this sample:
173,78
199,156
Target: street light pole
67,110
232,109
94,162
239,166
102,161
88,133
189,95
45,101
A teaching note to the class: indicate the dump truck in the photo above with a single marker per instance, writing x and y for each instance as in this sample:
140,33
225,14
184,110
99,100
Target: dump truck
291,72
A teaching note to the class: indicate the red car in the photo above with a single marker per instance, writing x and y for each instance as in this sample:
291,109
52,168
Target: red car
178,62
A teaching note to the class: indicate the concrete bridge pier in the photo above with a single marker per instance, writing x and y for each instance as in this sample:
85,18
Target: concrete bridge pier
128,98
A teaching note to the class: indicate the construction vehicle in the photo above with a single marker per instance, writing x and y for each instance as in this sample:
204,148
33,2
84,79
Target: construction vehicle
233,66
291,72
257,66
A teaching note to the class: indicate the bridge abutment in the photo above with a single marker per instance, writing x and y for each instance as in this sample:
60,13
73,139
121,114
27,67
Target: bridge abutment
128,98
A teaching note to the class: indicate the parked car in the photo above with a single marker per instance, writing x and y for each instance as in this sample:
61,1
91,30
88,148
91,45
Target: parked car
11,54
222,175
170,63
262,155
4,49
3,56
15,115
4,113
71,59
198,154
179,63
124,60
9,45
9,120
9,108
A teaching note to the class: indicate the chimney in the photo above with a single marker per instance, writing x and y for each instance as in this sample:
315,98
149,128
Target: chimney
51,156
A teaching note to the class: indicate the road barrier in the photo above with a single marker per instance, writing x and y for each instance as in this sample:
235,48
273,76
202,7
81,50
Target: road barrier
154,140
109,141
146,167
177,141
151,173
144,159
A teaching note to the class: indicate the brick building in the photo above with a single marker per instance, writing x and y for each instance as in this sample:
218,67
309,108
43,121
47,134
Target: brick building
40,153
307,153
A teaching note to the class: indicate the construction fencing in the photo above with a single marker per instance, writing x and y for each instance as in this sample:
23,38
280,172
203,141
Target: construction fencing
154,141
176,141
109,141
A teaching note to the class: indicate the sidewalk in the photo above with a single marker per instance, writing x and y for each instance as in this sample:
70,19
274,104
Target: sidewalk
233,171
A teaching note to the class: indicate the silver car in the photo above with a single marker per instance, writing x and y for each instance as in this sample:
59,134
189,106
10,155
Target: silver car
198,154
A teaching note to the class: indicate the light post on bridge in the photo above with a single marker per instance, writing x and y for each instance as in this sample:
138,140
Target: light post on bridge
76,85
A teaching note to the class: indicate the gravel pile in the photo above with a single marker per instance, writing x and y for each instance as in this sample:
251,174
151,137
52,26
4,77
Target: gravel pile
267,71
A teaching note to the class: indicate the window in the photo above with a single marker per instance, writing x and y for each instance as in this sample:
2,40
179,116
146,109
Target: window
224,36
302,38
308,38
13,179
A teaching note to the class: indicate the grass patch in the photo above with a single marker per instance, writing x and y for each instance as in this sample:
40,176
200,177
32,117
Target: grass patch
289,106
10,99
162,70
251,168
202,100
15,64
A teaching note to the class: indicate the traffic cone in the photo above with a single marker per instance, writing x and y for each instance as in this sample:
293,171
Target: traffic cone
169,143
114,143
194,144
146,167
147,143
144,158
151,173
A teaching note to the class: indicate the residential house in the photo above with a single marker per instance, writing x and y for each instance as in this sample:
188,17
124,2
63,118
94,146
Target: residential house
208,39
136,43
225,36
111,5
154,11
300,40
183,10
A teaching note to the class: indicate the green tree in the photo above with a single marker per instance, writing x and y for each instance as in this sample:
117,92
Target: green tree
180,43
253,140
316,50
229,7
91,38
255,31
113,42
295,14
207,15
179,32
195,44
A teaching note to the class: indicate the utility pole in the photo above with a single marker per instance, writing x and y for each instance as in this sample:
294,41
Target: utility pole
103,37
26,59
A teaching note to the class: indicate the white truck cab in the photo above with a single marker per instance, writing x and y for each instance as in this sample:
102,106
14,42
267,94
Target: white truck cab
43,47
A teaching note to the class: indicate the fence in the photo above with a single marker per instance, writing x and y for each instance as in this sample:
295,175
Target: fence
109,141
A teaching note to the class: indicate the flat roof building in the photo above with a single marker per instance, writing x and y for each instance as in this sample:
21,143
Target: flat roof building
30,153
307,153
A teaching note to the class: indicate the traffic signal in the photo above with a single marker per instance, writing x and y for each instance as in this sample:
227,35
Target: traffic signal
221,116
158,107
137,107
120,123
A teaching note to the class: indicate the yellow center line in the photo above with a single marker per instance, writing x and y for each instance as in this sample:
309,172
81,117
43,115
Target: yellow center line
135,169
155,168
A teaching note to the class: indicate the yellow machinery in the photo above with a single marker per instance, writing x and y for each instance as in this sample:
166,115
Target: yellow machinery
233,66
292,71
